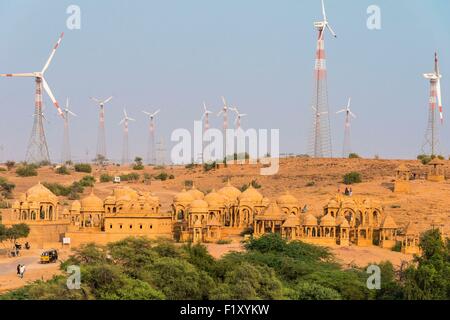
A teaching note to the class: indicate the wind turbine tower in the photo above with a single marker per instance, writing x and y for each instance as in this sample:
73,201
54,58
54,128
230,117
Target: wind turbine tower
435,102
320,140
347,148
37,150
125,153
205,118
224,111
151,148
66,154
101,139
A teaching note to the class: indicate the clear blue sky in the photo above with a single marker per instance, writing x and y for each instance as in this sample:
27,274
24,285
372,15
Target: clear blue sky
259,54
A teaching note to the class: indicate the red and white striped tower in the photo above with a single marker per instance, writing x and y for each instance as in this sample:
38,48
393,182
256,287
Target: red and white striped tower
151,147
125,153
101,137
224,111
320,139
431,143
66,156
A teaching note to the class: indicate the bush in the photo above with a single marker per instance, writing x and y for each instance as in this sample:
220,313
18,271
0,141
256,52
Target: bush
310,184
87,181
352,177
130,177
57,189
162,176
353,156
424,158
62,170
106,178
190,166
254,184
188,183
83,167
27,170
223,241
209,166
6,188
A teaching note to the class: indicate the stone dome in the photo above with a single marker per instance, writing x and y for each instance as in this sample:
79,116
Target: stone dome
215,199
92,202
251,195
327,221
344,224
272,212
291,222
309,220
76,206
333,203
388,223
200,206
196,194
287,200
183,197
39,193
230,191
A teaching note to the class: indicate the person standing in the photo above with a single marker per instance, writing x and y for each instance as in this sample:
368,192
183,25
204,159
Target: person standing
22,271
18,269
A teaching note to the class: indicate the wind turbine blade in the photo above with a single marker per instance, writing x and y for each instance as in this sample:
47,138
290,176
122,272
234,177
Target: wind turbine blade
53,53
220,113
17,75
323,11
340,111
331,30
67,104
224,101
243,115
125,113
349,102
131,119
95,99
122,121
156,112
72,113
353,115
204,106
107,100
314,108
52,97
147,113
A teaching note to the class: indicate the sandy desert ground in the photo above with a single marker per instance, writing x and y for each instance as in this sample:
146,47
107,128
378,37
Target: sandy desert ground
312,181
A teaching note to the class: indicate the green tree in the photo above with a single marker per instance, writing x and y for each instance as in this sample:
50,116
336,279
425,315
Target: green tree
314,291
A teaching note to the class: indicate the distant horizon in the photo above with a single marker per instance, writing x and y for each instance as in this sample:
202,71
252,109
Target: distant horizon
259,55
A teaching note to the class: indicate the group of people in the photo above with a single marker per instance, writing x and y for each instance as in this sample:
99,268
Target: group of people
21,270
347,192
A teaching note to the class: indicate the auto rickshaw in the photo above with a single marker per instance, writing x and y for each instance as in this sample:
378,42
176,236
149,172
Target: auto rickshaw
49,256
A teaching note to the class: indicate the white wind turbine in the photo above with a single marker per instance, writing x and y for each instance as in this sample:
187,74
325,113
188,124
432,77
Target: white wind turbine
37,150
239,116
347,141
124,121
205,117
322,25
66,154
151,152
101,138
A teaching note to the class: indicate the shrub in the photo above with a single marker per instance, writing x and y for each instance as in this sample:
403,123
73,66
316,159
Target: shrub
223,241
106,178
190,166
254,184
311,184
163,176
57,189
62,170
87,181
209,166
83,167
2,169
171,177
27,170
130,177
352,177
353,156
6,188
188,183
424,158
